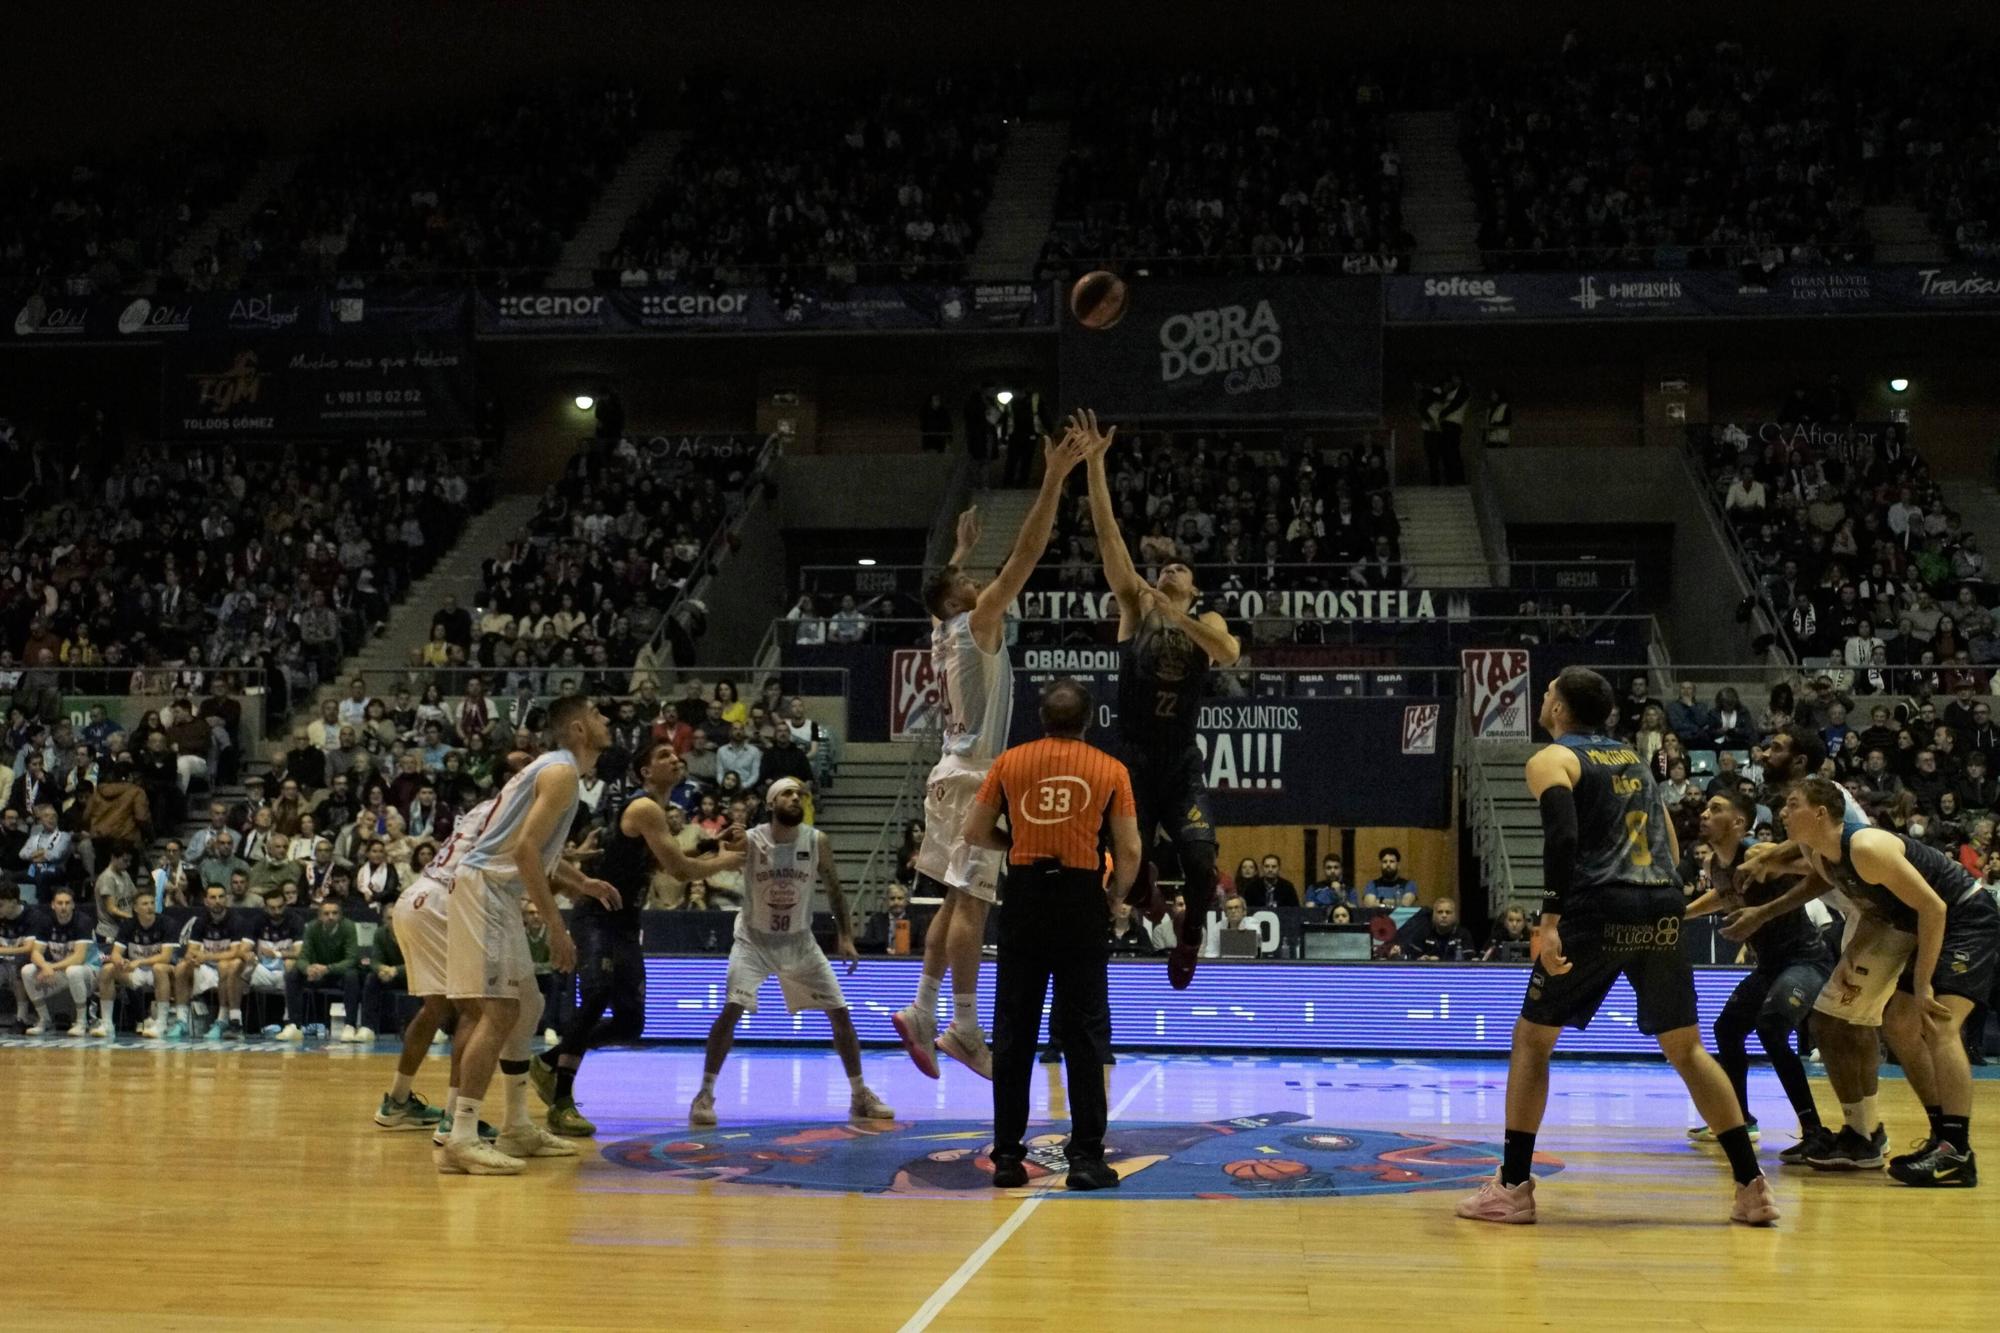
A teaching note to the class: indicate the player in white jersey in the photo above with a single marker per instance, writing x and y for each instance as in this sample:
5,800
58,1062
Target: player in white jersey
976,696
515,851
421,922
783,860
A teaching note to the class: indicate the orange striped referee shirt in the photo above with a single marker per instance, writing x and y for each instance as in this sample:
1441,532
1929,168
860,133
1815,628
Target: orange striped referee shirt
1057,793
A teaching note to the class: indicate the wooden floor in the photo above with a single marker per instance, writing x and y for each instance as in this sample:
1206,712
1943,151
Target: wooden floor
216,1189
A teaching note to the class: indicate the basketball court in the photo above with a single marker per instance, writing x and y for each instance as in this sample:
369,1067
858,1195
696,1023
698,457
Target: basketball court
200,1183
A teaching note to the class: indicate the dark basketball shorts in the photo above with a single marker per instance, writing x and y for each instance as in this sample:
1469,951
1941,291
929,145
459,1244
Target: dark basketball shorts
1971,950
1628,929
1784,995
1170,794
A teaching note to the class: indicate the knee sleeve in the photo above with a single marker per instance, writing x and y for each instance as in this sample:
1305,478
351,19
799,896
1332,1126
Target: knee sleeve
519,1044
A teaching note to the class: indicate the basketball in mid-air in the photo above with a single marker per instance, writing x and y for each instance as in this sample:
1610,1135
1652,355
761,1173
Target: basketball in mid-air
1098,299
1265,1168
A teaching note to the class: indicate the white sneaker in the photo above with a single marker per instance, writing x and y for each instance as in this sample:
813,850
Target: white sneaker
969,1049
701,1111
439,1038
347,1032
149,1029
290,1032
918,1029
37,1030
533,1141
476,1158
76,1029
101,1030
549,1037
867,1106
364,1035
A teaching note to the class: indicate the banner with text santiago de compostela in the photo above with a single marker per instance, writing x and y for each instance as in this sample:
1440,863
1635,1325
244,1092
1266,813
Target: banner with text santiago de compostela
1258,347
1348,762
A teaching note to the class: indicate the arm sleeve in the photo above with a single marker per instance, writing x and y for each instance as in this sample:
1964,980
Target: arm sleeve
1558,846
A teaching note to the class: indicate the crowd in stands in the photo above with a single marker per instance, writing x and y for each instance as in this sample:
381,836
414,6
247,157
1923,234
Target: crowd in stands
154,572
1853,549
1267,171
488,196
1704,154
102,223
879,181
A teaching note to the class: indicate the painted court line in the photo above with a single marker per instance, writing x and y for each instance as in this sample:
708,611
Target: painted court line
975,1261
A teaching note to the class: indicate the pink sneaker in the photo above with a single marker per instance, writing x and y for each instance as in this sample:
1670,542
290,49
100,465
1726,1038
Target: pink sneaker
1755,1206
1496,1202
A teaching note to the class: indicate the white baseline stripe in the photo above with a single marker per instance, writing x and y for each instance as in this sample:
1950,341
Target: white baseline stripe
975,1261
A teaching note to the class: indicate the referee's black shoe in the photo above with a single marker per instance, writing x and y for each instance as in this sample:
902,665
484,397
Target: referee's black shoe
1818,1141
1093,1175
1009,1173
1943,1167
1852,1152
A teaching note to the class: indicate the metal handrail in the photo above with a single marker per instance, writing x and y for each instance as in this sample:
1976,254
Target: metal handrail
1739,554
773,449
1496,866
1629,569
889,835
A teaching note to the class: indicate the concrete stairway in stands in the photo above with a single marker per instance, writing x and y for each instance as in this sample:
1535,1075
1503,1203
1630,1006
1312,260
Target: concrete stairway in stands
1438,207
1024,199
1508,842
456,574
272,175
1441,542
629,191
1902,234
1001,513
873,778
1978,505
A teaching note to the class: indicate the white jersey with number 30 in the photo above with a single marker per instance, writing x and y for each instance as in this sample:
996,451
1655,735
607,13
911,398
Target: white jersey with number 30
778,879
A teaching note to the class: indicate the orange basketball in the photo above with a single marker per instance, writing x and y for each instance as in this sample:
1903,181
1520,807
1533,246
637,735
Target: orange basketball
1265,1168
1098,299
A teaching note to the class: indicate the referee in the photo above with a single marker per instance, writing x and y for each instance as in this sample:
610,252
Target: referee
1055,917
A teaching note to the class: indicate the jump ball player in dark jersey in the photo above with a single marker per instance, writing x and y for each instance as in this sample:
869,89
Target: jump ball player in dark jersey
1776,999
610,966
1165,651
1611,904
1902,885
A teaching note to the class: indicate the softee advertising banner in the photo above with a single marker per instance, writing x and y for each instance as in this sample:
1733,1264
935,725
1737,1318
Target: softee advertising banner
1790,293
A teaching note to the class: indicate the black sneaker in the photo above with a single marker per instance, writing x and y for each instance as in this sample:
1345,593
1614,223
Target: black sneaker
1850,1152
1818,1142
1943,1167
1009,1173
1880,1141
1092,1176
1918,1149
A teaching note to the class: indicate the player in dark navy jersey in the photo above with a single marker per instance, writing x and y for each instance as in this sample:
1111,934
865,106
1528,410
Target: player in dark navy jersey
214,954
1611,904
141,960
63,958
17,938
1906,886
1775,1000
1165,650
611,968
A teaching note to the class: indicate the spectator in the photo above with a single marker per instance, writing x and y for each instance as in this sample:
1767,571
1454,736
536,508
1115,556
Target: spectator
785,760
376,879
1390,888
1690,719
386,976
849,623
115,892
1270,888
1437,934
1234,915
220,863
328,961
1332,886
62,957
1512,937
45,863
1128,932
740,757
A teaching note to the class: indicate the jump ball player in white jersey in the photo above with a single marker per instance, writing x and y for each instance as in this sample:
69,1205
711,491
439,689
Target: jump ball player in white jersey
782,860
516,850
975,679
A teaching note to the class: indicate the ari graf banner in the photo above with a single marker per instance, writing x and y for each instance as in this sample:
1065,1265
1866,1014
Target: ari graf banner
1480,298
1496,692
1341,761
623,311
165,317
1253,347
245,388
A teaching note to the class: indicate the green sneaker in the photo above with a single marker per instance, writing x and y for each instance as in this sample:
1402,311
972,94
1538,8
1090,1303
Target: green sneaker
542,1078
566,1120
414,1113
441,1128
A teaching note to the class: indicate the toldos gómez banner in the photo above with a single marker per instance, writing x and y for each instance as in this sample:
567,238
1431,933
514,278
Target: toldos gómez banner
249,388
1345,762
1273,348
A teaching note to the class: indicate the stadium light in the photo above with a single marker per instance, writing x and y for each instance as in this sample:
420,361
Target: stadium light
865,560
1898,384
1004,397
584,402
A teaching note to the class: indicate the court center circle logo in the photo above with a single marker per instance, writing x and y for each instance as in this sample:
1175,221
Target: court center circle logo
1246,1157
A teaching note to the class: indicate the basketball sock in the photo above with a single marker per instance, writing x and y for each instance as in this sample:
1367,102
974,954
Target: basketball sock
965,1011
1869,1117
160,1008
707,1083
565,1083
465,1121
181,1013
1936,1113
1519,1160
41,1013
855,1084
399,1091
235,1013
1850,1117
1957,1131
514,1077
927,993
1742,1155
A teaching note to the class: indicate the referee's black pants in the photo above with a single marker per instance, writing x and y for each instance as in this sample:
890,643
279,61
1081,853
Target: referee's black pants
1054,923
